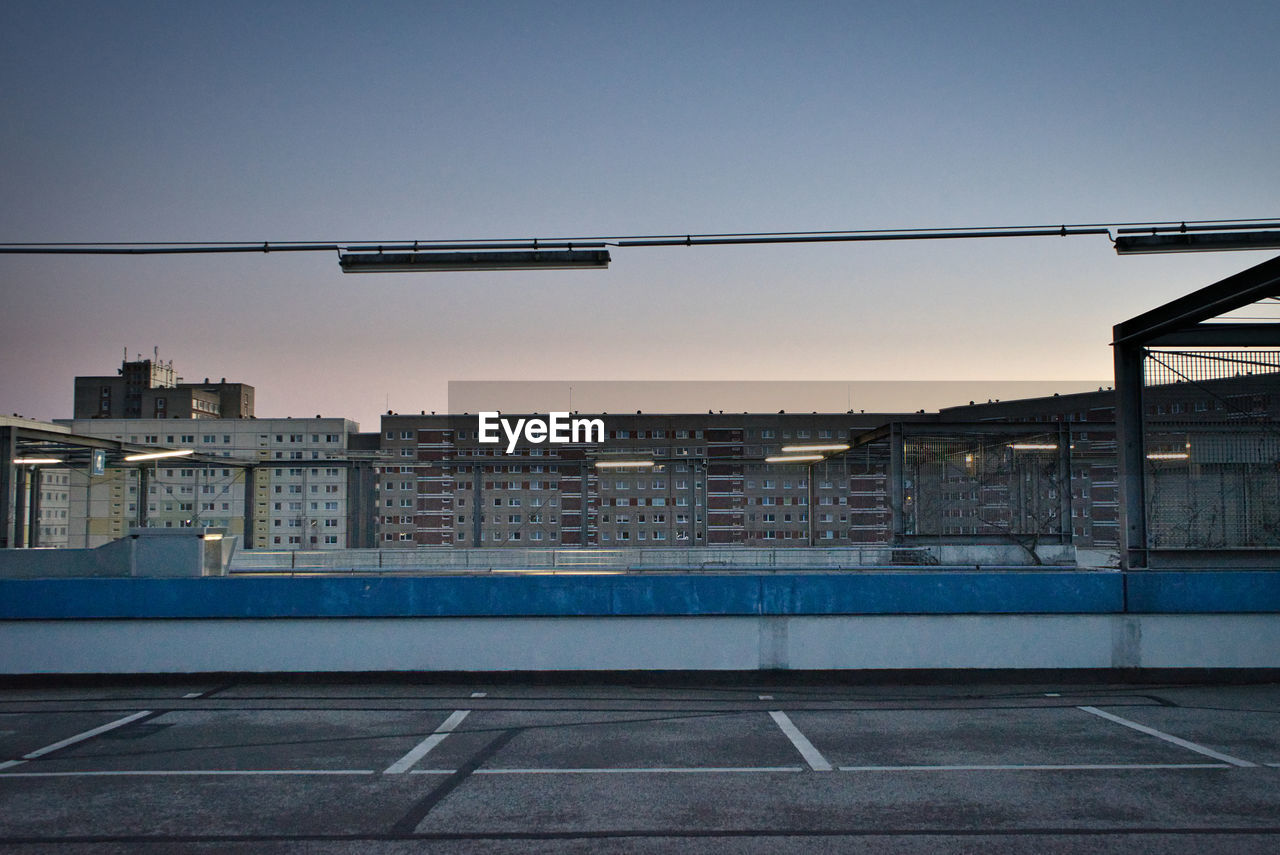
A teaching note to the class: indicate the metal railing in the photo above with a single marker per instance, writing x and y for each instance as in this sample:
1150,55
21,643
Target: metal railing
447,560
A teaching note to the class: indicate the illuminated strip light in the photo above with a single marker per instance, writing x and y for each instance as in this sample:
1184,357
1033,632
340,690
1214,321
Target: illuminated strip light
1034,446
619,464
795,458
805,448
36,461
158,455
1168,455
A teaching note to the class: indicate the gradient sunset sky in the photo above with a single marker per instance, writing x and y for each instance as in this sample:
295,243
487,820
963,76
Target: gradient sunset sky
384,121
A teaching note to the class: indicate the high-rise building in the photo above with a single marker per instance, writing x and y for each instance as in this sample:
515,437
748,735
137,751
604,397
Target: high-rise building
709,484
298,492
149,389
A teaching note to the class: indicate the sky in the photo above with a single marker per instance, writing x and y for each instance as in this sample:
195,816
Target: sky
389,121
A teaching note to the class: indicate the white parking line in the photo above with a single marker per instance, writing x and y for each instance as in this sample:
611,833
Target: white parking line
641,770
1151,731
79,737
1035,767
184,772
811,755
405,763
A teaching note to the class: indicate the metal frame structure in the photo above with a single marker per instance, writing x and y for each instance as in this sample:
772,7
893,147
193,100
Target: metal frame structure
20,493
897,434
1179,323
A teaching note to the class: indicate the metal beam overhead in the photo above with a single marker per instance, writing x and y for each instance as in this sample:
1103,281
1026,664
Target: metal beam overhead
1234,292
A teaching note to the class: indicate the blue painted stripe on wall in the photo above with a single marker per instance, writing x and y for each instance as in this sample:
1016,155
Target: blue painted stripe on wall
584,596
1172,592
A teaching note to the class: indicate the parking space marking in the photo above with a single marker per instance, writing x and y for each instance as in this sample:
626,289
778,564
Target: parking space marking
811,755
641,770
405,763
72,740
116,773
1035,767
1151,731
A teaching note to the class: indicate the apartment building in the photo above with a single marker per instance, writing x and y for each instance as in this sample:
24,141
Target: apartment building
296,471
1244,412
150,389
55,486
709,483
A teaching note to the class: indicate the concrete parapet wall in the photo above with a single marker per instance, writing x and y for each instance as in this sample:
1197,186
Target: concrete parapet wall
641,643
527,595
497,622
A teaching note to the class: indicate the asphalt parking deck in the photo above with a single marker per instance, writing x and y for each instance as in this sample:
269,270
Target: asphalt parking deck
505,766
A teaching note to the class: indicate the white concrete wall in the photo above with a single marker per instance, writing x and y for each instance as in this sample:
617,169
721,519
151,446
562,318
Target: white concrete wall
641,643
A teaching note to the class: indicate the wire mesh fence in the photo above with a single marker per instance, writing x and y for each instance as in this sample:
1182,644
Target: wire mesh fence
975,484
1212,444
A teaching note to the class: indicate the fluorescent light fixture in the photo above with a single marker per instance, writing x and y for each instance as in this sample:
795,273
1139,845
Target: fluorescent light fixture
619,464
795,458
423,262
159,455
839,446
35,461
1196,242
1168,455
214,536
1034,446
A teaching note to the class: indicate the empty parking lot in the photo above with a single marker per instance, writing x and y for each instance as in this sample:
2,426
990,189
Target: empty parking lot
747,765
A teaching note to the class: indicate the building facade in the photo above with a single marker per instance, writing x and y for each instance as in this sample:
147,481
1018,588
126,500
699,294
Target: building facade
709,484
149,389
296,472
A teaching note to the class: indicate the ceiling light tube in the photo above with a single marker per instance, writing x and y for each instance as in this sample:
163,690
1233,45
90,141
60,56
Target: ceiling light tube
795,458
36,461
619,464
159,455
802,449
